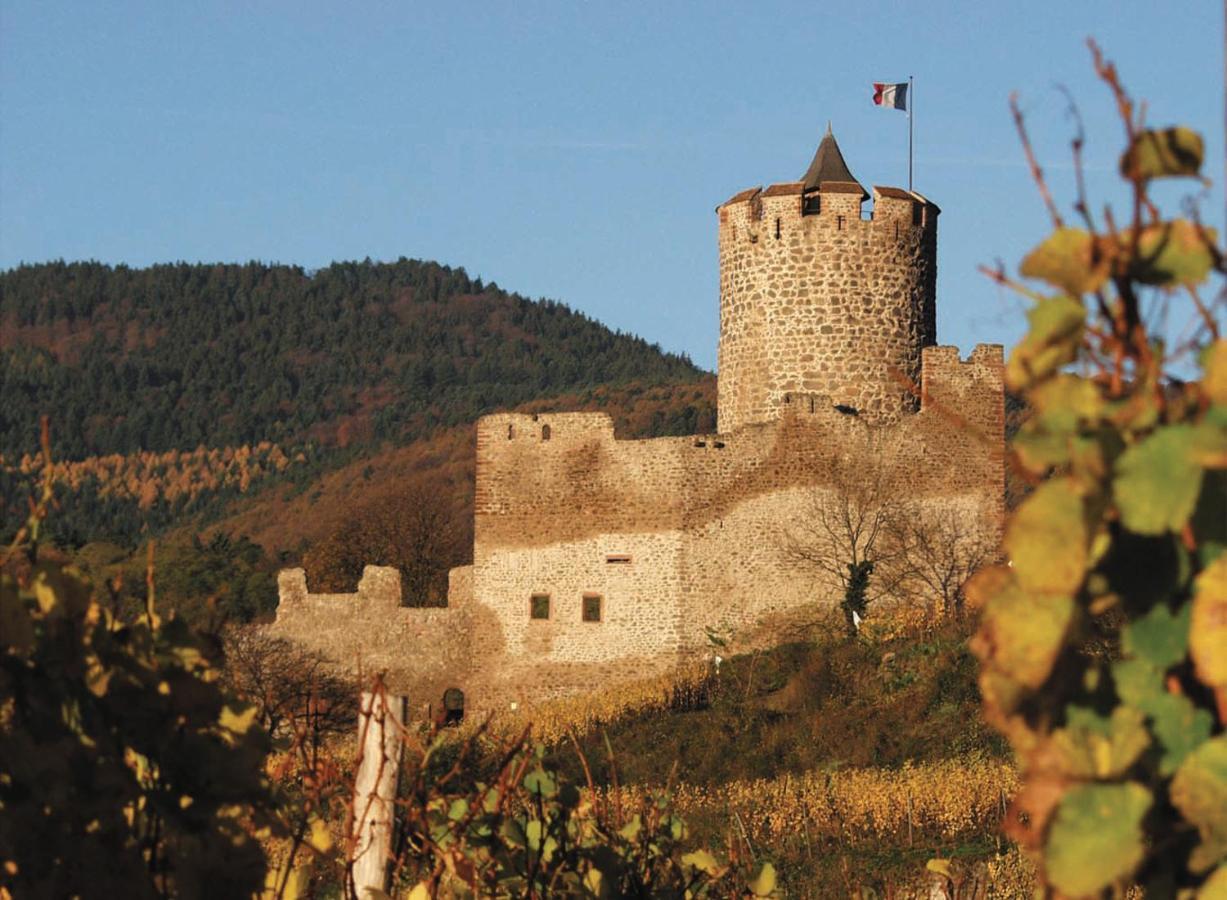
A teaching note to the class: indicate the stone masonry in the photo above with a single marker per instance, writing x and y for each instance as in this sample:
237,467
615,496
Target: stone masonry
597,559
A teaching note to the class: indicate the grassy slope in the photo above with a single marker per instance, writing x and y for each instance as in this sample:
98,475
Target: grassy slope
823,705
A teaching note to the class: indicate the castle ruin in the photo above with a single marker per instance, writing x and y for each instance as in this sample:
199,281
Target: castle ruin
597,559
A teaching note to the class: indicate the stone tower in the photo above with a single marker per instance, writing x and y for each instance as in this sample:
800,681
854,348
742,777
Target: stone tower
817,298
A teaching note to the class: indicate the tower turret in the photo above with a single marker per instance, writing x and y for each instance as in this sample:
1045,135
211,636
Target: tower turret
816,298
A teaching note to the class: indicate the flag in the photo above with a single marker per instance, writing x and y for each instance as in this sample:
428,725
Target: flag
890,95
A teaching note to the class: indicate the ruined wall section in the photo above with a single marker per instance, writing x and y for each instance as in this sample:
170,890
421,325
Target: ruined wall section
815,298
424,651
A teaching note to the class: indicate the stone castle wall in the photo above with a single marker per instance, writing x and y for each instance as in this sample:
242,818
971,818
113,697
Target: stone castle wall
674,535
816,298
423,651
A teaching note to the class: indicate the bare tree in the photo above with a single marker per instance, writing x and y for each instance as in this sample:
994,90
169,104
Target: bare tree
295,692
937,551
846,530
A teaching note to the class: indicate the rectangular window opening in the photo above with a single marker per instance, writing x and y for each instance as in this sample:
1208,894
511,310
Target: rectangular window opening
539,606
592,608
622,559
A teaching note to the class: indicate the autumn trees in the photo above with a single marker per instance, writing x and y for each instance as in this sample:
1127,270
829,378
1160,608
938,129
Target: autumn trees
415,529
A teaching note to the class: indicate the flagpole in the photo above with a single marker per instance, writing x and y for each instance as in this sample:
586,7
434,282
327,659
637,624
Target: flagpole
911,103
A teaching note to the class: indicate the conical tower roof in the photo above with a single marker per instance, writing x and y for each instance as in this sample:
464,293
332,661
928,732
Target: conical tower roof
828,167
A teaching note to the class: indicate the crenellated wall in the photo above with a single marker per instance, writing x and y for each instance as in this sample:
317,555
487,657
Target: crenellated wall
424,651
817,298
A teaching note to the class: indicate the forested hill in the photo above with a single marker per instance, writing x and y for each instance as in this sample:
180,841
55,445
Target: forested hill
178,356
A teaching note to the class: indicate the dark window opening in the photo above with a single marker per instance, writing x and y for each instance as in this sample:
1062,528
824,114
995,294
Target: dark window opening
846,410
918,214
453,706
839,223
777,229
539,606
719,445
592,608
811,205
618,558
545,432
511,432
700,443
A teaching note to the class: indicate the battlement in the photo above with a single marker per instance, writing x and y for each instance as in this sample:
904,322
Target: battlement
985,362
767,212
966,390
379,588
550,430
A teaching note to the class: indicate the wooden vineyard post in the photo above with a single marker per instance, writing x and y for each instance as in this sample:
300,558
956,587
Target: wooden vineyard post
381,716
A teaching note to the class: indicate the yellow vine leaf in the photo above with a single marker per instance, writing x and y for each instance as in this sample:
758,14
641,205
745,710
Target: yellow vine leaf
1208,628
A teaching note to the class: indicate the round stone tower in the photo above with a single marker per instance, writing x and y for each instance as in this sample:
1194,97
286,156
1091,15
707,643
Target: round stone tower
818,299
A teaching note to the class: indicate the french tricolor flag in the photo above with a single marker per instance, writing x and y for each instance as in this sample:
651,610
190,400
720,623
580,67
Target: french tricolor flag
890,95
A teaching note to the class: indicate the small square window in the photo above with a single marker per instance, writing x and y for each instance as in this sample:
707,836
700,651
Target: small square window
592,607
539,607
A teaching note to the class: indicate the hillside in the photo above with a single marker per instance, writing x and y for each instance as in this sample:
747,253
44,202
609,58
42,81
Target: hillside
177,356
297,416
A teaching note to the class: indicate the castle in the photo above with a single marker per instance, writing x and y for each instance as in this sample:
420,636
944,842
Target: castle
597,559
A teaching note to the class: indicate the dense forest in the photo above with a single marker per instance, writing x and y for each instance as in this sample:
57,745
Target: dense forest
273,409
178,356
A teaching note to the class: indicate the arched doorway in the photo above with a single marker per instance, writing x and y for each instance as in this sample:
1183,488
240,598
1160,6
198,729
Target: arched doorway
453,706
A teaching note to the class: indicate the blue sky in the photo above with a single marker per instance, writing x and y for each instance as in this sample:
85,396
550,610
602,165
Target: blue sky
569,150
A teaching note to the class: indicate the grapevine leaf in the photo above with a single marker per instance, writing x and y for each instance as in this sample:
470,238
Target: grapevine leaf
541,783
1210,444
1158,481
1215,887
1199,791
1161,637
1051,342
1173,253
630,831
763,884
703,861
1180,727
1047,539
1021,633
594,881
1214,369
1038,451
1069,260
940,866
1092,746
1208,630
1065,400
1137,681
320,838
1161,153
1096,837
533,832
